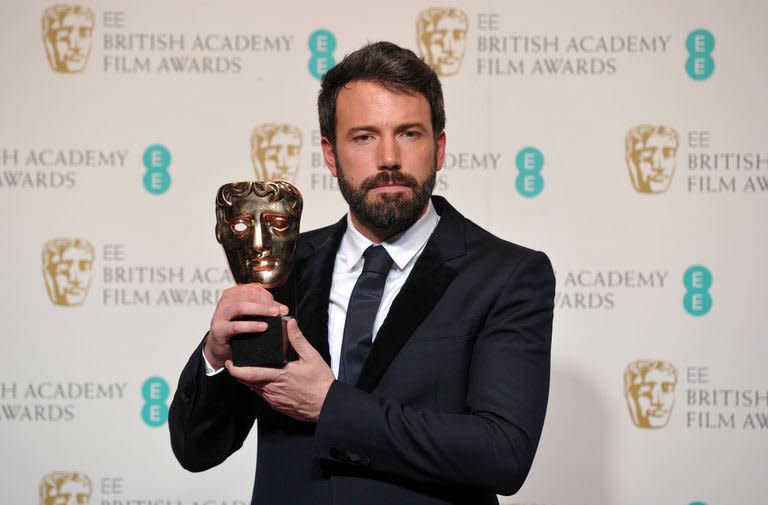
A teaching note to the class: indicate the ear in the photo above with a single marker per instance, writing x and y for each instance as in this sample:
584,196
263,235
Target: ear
328,155
440,152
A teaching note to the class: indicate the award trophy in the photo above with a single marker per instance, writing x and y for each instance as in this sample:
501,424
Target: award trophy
257,224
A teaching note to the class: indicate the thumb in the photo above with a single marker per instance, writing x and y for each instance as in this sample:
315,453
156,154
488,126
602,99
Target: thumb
299,343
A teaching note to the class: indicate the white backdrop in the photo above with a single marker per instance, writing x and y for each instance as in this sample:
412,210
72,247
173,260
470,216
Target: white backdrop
569,79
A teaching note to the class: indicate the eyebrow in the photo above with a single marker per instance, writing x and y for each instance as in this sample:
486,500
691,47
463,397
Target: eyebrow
404,126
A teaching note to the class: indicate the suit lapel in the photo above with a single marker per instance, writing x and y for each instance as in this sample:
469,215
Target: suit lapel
426,284
313,285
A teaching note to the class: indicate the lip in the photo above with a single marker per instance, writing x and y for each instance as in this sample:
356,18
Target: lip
390,187
262,266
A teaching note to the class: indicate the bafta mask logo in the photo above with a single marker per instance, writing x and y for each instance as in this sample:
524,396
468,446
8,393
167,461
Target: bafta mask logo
257,223
650,155
441,36
649,387
67,37
275,150
67,265
65,488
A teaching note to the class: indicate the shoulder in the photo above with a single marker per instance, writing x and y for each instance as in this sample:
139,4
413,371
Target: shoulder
463,240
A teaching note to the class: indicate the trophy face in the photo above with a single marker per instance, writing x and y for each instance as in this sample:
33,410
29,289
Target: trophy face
651,152
257,224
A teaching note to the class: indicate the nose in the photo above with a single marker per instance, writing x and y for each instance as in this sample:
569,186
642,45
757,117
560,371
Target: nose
74,40
448,42
388,153
258,237
73,275
656,161
282,162
656,395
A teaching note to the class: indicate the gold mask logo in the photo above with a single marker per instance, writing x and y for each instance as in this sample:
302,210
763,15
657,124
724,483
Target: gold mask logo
651,151
67,37
67,266
65,488
275,151
441,36
649,388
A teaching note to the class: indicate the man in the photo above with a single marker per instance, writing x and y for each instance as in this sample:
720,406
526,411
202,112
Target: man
650,155
448,402
649,387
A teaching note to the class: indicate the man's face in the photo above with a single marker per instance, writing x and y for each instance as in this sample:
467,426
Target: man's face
259,238
654,396
278,157
70,492
445,44
69,275
653,163
69,42
385,156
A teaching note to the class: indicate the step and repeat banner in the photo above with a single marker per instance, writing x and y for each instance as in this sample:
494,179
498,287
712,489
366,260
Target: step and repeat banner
627,140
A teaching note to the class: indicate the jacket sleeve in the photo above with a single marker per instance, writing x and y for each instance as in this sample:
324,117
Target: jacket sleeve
491,444
209,417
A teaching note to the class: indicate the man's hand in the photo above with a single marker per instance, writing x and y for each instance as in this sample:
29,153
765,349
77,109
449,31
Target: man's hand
297,390
236,303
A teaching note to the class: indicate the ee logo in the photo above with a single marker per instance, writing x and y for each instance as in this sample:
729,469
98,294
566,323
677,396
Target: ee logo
155,392
697,300
529,181
322,44
700,66
157,159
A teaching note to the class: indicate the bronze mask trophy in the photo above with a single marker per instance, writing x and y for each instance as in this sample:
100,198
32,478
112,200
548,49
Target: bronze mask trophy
257,224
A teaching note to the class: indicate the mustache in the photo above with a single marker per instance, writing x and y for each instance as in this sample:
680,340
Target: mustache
389,177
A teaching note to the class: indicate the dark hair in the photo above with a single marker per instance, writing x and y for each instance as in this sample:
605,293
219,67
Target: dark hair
385,63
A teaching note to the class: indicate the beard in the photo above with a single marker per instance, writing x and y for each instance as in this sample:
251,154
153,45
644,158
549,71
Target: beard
390,211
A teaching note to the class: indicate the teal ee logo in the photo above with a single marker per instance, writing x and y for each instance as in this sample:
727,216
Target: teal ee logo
697,503
157,158
529,181
697,300
700,66
155,392
322,44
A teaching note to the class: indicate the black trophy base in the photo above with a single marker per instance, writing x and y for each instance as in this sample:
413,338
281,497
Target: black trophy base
267,349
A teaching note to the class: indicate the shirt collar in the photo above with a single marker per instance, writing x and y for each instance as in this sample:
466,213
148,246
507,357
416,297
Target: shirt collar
402,248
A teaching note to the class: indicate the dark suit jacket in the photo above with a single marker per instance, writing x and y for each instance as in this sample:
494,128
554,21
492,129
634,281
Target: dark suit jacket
450,403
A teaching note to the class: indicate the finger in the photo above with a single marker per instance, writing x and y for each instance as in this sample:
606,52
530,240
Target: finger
299,343
225,330
245,308
257,293
251,374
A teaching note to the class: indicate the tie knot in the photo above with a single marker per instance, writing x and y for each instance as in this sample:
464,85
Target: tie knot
377,260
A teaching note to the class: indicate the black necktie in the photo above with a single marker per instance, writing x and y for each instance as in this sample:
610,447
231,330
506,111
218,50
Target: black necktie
363,305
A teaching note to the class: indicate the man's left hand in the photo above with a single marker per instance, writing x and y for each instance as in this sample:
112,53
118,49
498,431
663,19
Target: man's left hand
298,389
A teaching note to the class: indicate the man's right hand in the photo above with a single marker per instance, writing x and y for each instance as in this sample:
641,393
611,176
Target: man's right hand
236,303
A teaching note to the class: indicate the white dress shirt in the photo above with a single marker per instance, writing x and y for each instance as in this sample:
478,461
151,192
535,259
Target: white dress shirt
404,249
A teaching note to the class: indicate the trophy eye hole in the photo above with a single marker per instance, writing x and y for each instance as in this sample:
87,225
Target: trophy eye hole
239,228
